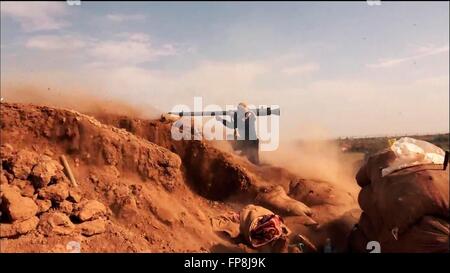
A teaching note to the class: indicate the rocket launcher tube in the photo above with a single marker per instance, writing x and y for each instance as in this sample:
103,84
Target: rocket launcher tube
258,112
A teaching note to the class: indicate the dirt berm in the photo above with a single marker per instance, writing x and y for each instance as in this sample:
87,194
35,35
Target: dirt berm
137,190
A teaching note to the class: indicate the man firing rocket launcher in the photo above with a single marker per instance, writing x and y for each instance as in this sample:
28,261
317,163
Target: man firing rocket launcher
243,122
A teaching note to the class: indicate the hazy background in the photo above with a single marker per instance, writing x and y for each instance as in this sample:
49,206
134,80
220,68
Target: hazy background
336,69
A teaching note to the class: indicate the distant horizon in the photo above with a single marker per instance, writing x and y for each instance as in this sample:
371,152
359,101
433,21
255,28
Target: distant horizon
398,135
332,138
378,136
25,101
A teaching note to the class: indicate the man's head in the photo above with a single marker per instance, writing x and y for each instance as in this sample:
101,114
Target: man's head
242,107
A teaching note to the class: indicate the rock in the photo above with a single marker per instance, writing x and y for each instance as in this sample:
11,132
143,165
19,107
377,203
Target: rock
18,227
94,179
113,171
9,176
25,186
20,183
90,210
45,170
28,191
55,223
277,199
77,162
43,205
3,179
23,163
6,152
65,207
48,152
90,228
74,196
17,207
165,215
56,192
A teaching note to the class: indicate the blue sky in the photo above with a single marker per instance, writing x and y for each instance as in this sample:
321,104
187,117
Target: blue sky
344,68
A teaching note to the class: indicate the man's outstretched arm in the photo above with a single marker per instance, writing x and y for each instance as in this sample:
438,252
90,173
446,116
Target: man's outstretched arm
225,122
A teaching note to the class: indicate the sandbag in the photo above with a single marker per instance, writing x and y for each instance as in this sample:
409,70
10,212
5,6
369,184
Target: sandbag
228,223
403,197
399,205
429,235
413,152
253,218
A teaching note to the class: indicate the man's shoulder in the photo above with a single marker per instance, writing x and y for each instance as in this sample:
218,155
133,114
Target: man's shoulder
250,115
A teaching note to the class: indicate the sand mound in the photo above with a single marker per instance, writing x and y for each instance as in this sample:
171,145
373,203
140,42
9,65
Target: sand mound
137,190
138,184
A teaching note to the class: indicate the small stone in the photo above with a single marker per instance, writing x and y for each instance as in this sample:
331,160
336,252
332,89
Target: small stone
113,171
56,192
90,228
28,191
20,183
94,179
17,207
9,176
55,223
25,187
6,153
23,163
77,162
65,207
165,215
48,152
18,227
90,210
45,170
74,196
43,205
35,147
3,179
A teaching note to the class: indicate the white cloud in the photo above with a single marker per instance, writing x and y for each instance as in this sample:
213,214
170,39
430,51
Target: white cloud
55,42
135,36
216,82
119,18
298,70
420,52
232,78
132,48
123,49
36,16
167,50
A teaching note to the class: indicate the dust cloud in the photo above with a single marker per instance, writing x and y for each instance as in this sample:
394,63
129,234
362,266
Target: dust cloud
80,100
317,159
